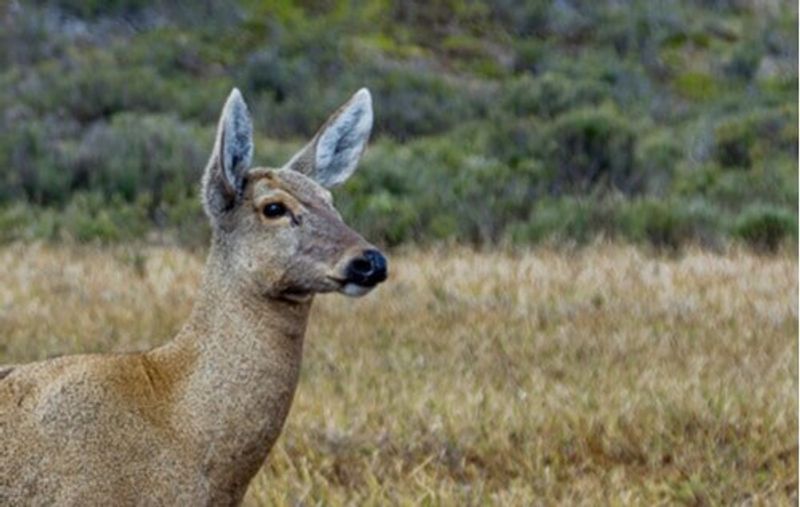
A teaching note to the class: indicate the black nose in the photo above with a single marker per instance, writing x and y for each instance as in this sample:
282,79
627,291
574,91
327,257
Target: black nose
367,270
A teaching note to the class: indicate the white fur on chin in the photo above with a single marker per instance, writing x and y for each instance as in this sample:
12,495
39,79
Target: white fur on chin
354,290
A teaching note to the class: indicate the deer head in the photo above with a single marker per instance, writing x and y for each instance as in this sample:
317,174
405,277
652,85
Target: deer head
276,230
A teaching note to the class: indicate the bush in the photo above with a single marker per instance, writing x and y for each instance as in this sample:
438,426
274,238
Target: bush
486,195
435,189
765,227
132,156
386,198
15,221
697,86
412,102
512,140
523,18
590,148
566,219
743,139
89,217
95,86
670,223
188,222
550,95
657,156
744,60
95,8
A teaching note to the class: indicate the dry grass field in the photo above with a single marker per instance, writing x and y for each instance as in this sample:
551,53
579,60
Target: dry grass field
605,376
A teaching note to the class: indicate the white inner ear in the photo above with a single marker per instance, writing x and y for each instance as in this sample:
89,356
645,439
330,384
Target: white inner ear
341,144
237,142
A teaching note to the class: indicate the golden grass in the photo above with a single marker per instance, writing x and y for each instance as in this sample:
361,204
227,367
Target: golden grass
607,376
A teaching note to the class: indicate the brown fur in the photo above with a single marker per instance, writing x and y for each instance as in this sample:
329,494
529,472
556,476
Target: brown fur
190,422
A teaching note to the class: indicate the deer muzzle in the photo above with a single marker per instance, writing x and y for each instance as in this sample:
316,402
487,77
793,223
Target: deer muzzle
364,272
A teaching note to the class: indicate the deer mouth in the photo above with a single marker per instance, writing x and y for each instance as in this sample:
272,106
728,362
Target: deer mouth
297,295
361,273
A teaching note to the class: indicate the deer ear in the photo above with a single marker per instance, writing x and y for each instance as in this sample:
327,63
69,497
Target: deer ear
332,155
226,172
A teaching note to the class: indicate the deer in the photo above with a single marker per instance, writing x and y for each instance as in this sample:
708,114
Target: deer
191,422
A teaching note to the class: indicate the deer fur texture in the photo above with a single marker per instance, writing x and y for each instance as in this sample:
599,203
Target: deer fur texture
192,421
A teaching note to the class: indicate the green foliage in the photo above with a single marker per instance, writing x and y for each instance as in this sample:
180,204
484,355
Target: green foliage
591,148
520,121
550,95
89,217
743,138
94,8
137,155
657,156
568,219
766,227
670,223
697,86
31,163
95,87
415,103
14,222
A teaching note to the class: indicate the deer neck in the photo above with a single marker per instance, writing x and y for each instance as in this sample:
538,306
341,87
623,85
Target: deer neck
245,352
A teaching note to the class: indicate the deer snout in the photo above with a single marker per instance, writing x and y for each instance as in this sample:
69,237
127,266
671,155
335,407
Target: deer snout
367,270
363,272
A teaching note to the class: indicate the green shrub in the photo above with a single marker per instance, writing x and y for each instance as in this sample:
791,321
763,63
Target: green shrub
765,227
486,195
550,95
89,217
563,220
743,139
186,219
413,103
157,156
523,18
512,140
744,60
771,182
95,86
31,162
697,86
15,221
432,189
669,223
94,8
590,148
657,156
386,197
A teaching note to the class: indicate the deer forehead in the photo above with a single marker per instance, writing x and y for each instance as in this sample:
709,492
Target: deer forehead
266,181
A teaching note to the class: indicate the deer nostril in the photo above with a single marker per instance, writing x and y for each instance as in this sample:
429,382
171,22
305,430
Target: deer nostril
361,266
367,270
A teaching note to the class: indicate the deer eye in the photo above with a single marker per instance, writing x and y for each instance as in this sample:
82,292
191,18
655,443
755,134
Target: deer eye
274,210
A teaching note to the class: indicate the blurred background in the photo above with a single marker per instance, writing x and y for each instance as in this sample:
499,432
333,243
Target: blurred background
662,123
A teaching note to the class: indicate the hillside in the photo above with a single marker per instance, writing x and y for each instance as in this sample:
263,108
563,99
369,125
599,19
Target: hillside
512,122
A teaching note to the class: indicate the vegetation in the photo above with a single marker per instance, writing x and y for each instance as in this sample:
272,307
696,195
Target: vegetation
603,377
510,121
